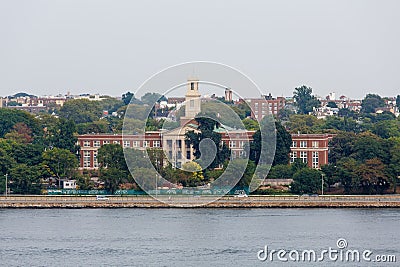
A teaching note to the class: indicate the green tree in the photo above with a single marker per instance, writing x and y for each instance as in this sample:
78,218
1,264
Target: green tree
6,164
237,168
331,104
306,181
20,133
206,127
369,146
113,167
281,172
345,112
304,124
61,162
195,173
298,165
100,126
110,104
151,98
84,182
398,101
250,124
394,166
146,178
342,146
371,102
305,101
127,98
25,179
29,154
371,176
112,178
387,129
64,136
331,174
111,156
283,143
81,110
10,117
345,170
284,114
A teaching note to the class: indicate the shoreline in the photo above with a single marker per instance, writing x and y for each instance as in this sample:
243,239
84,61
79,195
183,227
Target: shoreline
80,202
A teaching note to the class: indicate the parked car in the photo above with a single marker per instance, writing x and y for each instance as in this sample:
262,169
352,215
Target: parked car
241,193
102,197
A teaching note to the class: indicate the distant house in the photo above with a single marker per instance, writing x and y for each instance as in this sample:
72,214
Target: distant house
69,184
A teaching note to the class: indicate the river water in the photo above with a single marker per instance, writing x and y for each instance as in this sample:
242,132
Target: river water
190,237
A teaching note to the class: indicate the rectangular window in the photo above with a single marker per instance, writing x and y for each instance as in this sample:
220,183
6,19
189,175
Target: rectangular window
293,156
233,154
106,142
96,143
86,143
135,143
179,156
315,159
191,86
242,154
303,156
86,159
169,143
179,143
156,143
315,144
127,144
145,143
95,162
294,144
303,144
187,154
232,144
116,142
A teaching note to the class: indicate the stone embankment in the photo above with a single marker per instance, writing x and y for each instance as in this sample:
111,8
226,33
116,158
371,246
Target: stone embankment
381,201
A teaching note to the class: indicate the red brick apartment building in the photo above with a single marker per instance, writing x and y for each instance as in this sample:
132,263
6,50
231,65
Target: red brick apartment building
311,148
262,106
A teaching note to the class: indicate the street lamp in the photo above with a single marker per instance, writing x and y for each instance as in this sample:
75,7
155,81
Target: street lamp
6,183
156,185
322,183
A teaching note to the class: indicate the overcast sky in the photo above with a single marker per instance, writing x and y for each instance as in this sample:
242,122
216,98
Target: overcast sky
110,47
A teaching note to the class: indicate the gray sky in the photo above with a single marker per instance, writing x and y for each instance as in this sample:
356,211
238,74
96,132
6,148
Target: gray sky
108,47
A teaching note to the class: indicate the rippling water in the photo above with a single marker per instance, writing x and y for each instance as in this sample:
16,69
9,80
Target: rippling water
187,237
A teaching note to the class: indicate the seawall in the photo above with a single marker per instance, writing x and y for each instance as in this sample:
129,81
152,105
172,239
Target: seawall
381,201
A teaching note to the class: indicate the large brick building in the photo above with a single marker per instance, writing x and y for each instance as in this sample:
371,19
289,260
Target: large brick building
310,148
264,106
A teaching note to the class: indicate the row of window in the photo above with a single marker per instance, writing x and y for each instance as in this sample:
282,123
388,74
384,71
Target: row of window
232,144
303,144
125,143
304,159
87,160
